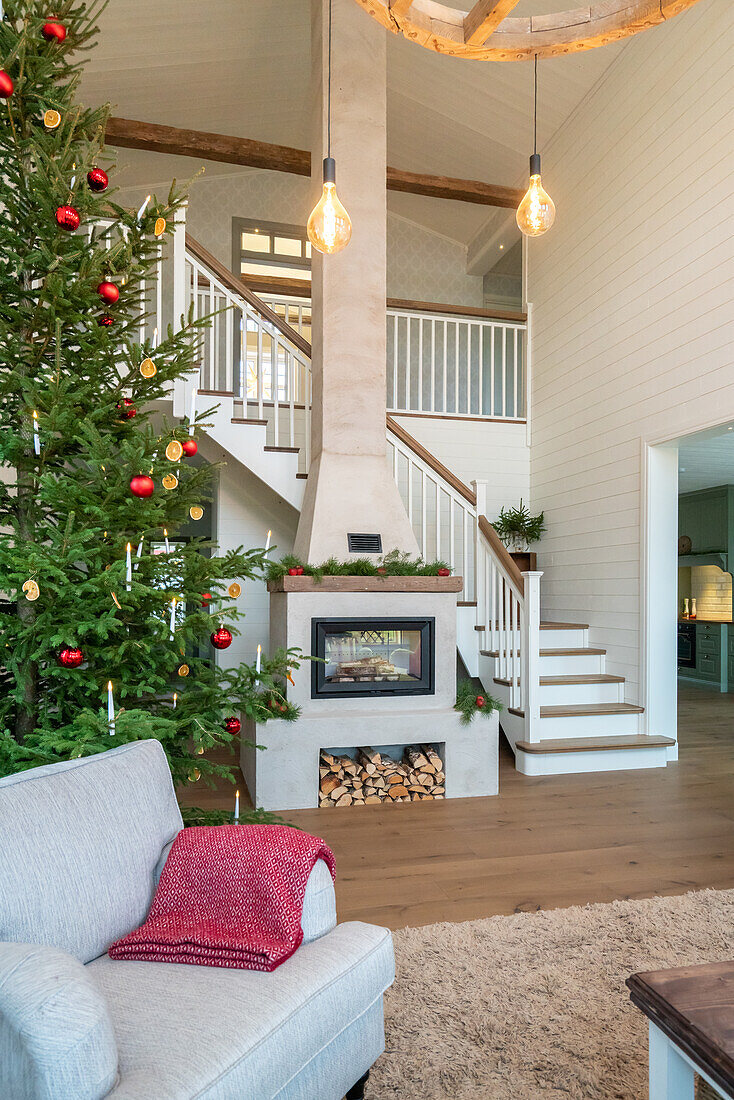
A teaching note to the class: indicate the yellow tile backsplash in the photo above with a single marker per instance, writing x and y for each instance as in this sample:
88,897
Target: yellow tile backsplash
712,590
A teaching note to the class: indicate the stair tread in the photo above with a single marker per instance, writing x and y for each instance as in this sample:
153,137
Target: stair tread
561,681
248,420
286,450
301,477
546,624
583,710
595,744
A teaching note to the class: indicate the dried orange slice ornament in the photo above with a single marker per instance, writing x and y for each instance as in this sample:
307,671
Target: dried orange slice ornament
160,227
194,775
51,119
174,450
170,482
196,511
183,670
235,590
31,589
148,368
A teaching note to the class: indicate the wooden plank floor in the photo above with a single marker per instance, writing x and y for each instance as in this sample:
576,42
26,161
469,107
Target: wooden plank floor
544,842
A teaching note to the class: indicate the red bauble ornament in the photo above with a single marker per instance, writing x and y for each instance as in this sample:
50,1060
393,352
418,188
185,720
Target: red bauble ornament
106,320
480,700
53,32
6,85
108,292
221,638
206,599
68,218
142,486
293,572
97,179
232,725
125,409
381,570
70,657
444,572
189,447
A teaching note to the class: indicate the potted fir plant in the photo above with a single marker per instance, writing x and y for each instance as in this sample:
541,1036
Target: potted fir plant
519,530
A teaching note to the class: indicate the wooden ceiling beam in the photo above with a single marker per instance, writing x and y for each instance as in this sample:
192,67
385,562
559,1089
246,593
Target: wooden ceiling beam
484,18
129,134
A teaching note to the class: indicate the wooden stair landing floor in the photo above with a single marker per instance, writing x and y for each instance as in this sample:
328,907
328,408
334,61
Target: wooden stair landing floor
561,681
583,710
593,744
586,651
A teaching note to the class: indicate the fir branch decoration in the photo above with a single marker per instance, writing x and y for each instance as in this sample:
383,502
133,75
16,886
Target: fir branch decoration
517,526
394,564
470,702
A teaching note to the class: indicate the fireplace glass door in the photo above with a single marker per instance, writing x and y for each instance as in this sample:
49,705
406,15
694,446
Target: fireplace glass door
372,657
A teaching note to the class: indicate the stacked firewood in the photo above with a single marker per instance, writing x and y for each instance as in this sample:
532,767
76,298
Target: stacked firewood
376,777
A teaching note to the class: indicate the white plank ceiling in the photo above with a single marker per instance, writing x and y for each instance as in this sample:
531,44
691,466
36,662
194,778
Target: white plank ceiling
242,67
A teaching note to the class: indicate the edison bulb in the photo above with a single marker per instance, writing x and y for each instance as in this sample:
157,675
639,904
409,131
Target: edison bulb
536,213
329,228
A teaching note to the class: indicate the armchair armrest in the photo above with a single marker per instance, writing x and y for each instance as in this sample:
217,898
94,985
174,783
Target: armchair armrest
56,1037
319,904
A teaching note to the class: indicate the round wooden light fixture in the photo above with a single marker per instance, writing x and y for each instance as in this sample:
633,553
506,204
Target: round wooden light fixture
488,33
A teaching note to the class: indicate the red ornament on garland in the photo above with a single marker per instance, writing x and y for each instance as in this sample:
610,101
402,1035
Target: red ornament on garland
70,657
108,292
53,31
293,571
125,409
68,218
106,320
444,572
232,725
97,180
6,85
480,701
221,638
206,599
142,486
189,447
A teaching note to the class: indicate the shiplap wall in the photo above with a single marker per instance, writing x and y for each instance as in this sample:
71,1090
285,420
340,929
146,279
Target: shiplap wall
633,298
479,450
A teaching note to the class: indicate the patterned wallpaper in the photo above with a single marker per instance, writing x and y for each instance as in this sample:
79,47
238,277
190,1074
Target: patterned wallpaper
420,264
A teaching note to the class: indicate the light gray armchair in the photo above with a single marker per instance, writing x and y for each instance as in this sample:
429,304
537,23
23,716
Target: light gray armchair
81,847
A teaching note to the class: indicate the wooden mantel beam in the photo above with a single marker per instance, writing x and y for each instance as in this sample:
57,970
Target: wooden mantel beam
399,8
129,134
484,18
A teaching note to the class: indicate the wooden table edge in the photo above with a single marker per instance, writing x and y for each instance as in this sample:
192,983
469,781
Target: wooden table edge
693,1043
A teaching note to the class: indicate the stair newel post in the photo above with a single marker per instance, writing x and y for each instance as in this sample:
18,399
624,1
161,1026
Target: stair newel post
179,302
530,655
480,594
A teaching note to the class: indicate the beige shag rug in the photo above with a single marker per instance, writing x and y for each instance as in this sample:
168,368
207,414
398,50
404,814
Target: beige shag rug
535,1005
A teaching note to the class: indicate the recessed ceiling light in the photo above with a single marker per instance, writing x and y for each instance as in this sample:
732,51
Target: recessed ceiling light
682,470
501,247
730,428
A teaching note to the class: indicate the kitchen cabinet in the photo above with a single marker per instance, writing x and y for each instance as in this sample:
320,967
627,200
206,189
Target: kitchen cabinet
714,655
707,517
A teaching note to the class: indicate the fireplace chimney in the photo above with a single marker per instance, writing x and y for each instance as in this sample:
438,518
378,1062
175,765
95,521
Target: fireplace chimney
350,488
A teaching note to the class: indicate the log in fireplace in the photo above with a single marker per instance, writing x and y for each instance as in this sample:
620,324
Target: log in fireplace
372,657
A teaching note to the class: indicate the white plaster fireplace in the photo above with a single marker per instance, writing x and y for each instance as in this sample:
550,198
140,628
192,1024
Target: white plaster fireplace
379,714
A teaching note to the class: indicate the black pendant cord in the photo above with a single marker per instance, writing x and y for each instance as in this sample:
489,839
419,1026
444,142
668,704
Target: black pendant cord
328,93
535,109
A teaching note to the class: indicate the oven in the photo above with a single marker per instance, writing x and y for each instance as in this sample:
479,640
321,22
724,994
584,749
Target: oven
686,645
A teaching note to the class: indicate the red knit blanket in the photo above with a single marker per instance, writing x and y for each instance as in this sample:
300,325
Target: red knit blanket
229,895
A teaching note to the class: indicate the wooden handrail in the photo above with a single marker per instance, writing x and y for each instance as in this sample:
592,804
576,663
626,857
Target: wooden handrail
236,286
430,460
502,553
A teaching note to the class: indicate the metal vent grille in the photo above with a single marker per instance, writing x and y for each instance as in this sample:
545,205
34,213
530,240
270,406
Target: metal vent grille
364,544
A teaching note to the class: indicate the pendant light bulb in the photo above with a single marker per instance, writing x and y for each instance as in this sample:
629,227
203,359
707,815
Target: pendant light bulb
329,227
537,212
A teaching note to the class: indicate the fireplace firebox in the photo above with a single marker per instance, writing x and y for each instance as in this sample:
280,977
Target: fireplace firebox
372,657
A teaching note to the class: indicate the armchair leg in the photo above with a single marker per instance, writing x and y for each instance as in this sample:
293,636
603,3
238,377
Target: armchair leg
356,1092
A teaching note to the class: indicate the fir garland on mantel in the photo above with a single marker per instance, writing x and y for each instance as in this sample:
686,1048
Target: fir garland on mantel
394,564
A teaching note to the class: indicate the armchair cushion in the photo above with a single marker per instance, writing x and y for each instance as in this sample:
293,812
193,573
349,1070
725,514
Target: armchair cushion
56,1036
214,1034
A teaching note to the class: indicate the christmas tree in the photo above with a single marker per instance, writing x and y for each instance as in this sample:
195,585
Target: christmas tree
108,619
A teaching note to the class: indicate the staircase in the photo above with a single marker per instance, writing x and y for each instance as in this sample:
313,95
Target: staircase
563,712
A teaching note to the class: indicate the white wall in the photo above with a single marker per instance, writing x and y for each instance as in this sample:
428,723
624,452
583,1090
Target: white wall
633,300
421,265
479,450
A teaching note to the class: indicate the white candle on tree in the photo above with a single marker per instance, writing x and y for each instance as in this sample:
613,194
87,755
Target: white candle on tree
236,807
175,699
173,616
36,436
128,567
142,209
267,541
110,709
258,663
165,538
139,552
192,414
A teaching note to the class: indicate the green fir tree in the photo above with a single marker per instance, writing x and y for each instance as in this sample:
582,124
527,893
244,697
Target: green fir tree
67,511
